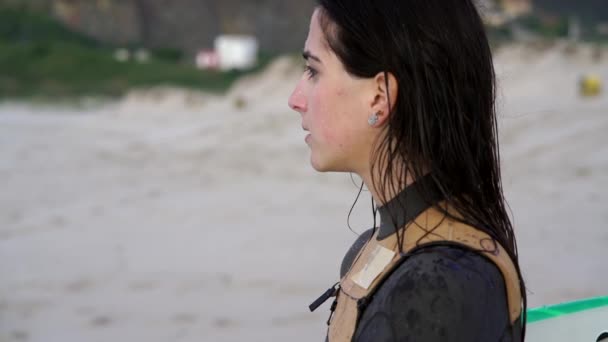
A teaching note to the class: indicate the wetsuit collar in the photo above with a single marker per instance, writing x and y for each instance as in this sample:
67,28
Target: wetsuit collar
406,206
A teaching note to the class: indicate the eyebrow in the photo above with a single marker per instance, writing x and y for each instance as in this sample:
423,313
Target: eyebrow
307,55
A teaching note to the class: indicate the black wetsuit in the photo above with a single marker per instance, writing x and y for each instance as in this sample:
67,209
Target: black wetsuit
440,293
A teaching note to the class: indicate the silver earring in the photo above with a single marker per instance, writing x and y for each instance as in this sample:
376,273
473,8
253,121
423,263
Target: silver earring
373,119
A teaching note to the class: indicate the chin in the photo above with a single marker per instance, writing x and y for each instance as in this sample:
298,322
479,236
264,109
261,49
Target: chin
318,164
326,165
318,167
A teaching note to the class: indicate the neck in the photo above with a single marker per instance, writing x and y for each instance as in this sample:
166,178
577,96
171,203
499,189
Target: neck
377,189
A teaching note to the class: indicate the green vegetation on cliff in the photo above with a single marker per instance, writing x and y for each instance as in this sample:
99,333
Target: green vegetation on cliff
41,58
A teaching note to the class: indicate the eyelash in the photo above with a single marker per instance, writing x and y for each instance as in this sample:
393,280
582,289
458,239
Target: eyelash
310,71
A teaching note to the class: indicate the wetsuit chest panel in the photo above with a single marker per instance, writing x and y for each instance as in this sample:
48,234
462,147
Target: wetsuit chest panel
431,227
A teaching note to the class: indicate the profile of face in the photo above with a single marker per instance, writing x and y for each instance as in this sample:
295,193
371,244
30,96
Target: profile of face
335,107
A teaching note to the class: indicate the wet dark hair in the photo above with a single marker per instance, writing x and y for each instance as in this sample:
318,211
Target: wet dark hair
444,118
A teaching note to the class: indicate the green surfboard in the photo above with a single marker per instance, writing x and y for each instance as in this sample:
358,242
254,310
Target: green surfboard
579,321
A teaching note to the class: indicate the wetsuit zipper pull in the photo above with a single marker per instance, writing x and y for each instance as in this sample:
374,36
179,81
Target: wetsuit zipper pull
331,292
332,309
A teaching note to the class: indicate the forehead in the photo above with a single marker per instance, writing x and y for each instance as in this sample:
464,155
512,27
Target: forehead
316,41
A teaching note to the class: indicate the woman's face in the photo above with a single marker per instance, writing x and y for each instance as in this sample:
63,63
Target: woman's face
334,106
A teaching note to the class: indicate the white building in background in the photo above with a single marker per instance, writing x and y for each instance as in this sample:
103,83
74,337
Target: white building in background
207,59
236,51
231,52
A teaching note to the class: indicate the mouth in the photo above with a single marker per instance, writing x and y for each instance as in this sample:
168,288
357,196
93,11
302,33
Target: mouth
307,137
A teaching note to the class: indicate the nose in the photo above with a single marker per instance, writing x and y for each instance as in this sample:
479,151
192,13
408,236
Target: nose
297,100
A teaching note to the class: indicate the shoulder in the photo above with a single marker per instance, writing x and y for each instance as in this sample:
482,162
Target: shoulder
440,292
452,262
353,251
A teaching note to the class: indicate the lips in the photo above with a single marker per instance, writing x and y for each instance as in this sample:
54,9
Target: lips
305,129
307,138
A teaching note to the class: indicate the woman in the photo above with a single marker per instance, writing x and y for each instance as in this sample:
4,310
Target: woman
402,94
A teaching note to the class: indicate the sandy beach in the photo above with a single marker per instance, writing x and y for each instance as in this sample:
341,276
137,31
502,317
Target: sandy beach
173,215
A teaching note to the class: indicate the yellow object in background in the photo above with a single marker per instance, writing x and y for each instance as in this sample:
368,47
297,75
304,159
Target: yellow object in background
590,85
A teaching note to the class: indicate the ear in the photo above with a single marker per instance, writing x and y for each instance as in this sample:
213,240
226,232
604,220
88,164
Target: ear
385,96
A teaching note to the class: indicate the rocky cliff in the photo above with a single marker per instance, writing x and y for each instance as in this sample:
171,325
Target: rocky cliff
188,25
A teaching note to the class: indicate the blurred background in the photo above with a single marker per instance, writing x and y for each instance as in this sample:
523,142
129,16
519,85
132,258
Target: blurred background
154,185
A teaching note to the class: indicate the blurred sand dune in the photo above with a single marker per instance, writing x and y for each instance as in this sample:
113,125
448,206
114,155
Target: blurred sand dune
178,216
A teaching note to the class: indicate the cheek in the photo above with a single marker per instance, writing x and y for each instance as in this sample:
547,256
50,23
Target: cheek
330,114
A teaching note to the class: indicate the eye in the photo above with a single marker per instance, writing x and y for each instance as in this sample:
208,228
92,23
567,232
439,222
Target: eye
310,71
